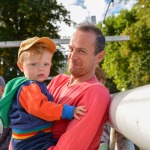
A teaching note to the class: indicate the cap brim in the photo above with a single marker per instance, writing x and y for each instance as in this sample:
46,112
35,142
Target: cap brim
45,40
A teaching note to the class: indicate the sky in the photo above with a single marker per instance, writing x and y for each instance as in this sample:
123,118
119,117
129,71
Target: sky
81,10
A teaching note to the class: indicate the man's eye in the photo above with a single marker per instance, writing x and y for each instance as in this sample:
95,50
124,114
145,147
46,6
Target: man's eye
70,49
82,52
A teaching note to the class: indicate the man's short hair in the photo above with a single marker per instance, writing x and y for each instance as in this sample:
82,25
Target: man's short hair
100,39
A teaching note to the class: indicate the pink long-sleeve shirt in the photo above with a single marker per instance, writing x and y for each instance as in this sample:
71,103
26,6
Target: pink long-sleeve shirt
81,134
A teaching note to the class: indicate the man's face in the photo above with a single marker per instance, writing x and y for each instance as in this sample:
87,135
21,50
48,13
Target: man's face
81,57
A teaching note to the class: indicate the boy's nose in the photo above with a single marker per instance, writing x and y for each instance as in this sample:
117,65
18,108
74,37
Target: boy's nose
41,67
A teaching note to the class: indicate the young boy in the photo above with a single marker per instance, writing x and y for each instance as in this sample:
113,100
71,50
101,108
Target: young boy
32,111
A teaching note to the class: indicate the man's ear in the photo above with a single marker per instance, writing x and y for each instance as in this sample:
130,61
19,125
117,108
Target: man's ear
100,56
20,66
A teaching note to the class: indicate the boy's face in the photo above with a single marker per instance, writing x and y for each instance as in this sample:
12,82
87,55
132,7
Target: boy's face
37,67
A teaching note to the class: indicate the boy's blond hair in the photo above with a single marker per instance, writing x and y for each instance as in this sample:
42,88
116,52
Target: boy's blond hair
37,48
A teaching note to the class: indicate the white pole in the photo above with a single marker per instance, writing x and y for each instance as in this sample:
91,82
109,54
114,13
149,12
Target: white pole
129,114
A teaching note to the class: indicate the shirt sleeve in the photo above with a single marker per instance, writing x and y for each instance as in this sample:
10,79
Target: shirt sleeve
36,103
86,133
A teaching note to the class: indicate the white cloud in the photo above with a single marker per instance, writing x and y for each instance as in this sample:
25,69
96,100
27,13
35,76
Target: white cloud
96,8
77,13
81,10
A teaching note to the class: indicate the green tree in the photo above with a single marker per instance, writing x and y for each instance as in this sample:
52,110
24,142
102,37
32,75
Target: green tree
21,19
127,63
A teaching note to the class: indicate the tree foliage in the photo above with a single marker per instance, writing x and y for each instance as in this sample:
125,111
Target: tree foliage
21,19
127,63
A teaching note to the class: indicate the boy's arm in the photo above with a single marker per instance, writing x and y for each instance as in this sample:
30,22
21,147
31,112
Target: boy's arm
85,133
36,103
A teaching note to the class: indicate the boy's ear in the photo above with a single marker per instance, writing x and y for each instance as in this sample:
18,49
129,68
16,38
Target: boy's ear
20,66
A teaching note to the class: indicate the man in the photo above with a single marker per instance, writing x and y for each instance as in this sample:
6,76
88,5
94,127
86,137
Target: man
86,51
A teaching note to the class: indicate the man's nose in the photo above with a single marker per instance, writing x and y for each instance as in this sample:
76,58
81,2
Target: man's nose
73,55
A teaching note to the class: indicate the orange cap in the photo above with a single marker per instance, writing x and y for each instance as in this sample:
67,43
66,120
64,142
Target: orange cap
26,44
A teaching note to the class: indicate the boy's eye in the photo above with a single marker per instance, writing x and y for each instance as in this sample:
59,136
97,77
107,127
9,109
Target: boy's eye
34,64
46,64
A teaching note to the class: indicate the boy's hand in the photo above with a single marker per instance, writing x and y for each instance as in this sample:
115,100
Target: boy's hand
80,110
